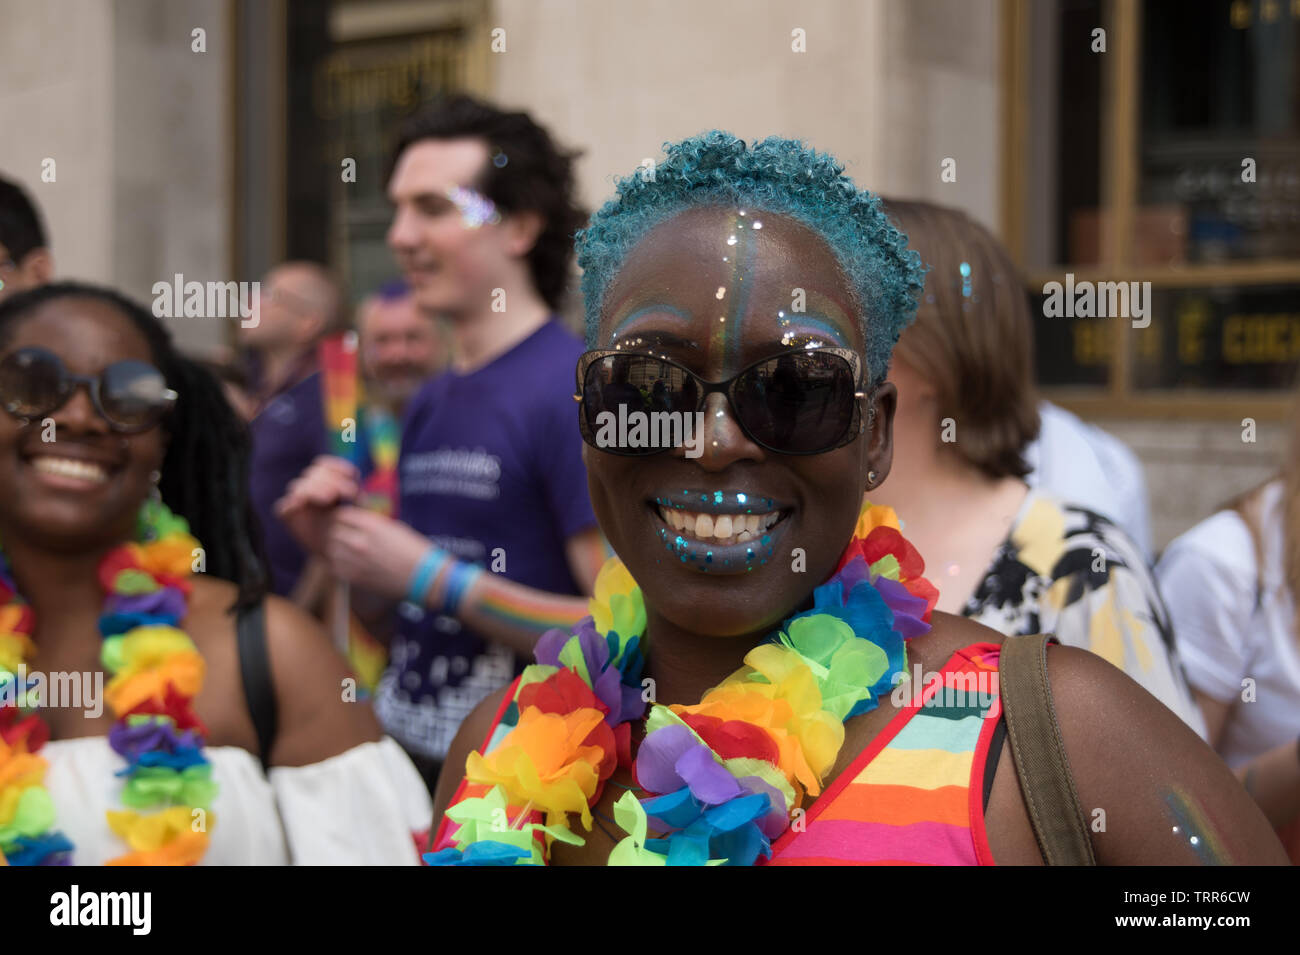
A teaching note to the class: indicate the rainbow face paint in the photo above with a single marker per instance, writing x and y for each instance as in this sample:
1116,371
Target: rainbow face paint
1189,825
756,306
517,609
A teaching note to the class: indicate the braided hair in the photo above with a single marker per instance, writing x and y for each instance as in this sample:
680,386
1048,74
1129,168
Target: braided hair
205,469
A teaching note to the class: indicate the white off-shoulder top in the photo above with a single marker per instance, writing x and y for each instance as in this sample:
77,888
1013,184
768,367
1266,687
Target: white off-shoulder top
361,807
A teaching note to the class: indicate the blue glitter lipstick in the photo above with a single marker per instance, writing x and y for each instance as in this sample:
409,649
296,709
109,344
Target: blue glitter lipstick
715,531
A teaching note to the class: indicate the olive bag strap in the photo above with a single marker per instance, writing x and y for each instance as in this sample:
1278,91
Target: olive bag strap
1039,754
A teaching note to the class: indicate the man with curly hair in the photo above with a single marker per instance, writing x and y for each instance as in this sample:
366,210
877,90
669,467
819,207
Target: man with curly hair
497,541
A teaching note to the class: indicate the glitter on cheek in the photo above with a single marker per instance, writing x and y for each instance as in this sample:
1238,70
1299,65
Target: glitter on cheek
475,209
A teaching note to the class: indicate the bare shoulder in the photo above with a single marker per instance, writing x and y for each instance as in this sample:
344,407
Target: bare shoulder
948,634
1152,790
470,737
211,600
319,716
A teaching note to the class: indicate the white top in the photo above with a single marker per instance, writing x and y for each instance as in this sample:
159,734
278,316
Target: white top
1080,463
1211,583
360,807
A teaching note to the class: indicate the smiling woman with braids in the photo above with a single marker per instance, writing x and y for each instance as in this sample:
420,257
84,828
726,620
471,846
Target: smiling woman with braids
221,734
764,677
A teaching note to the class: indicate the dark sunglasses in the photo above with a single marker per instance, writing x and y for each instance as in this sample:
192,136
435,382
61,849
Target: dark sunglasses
132,396
803,401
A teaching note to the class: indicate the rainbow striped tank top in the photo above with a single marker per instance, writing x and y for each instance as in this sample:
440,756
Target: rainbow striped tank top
915,795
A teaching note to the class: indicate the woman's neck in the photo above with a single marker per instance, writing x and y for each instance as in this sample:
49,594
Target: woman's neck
57,585
685,665
955,516
935,488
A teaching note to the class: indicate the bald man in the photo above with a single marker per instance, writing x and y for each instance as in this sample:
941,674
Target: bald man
301,303
402,347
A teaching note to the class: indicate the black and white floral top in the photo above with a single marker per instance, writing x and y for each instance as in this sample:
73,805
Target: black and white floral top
1065,570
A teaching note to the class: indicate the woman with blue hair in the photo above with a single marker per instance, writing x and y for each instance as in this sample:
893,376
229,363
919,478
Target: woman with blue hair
764,678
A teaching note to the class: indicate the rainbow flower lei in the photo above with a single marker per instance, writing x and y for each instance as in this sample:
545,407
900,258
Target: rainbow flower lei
156,673
724,777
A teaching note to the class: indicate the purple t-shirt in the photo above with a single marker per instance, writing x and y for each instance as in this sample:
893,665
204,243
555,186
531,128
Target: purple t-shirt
287,436
490,470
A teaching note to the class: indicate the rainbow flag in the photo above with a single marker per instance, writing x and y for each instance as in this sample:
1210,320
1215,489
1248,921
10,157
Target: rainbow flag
383,438
342,392
343,406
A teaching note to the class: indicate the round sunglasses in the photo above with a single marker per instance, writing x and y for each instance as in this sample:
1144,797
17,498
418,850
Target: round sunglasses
132,396
803,401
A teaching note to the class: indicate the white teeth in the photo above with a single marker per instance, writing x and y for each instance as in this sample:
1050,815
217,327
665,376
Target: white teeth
68,467
723,528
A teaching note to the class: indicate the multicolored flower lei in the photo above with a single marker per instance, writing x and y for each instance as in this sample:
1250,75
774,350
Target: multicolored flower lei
724,776
156,672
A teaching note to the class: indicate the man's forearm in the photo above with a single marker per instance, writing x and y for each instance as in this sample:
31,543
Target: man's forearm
509,613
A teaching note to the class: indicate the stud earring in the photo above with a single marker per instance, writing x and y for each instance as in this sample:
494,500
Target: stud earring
154,493
871,479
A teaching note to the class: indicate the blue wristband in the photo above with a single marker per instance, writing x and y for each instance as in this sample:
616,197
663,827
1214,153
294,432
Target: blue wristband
459,579
425,571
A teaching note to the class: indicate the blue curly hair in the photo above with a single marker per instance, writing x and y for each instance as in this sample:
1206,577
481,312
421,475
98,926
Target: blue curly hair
782,176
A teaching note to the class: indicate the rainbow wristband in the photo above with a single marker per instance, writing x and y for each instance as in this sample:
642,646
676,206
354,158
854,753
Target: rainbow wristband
459,579
425,571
